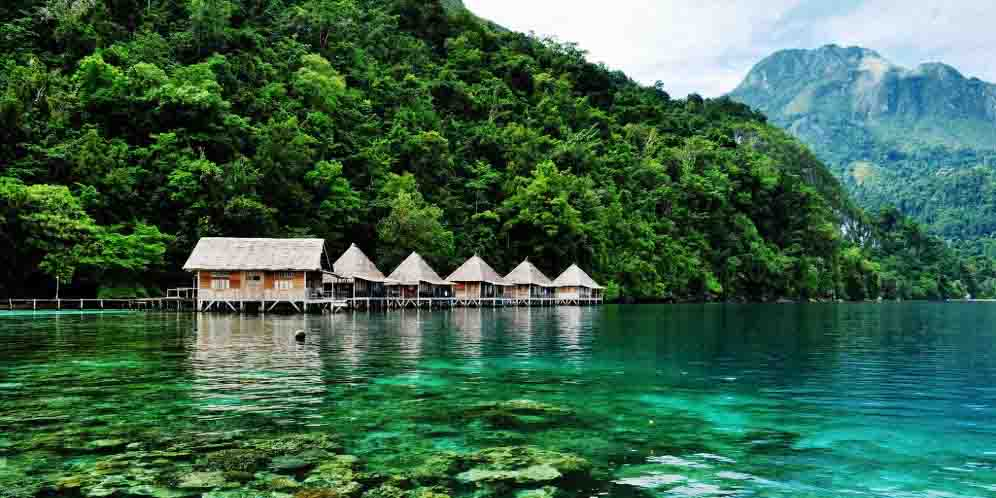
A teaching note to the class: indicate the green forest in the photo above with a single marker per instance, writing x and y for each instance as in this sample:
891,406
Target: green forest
134,127
950,190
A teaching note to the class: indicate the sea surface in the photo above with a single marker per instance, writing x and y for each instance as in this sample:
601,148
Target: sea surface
862,400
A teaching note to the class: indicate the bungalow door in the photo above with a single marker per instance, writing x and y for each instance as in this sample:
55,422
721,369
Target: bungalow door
254,284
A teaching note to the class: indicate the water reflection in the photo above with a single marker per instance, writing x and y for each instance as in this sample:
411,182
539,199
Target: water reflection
246,364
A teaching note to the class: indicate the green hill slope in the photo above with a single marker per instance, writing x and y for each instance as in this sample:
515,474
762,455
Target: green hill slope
921,139
134,128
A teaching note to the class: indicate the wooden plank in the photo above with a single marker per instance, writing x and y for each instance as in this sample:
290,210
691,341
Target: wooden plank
205,279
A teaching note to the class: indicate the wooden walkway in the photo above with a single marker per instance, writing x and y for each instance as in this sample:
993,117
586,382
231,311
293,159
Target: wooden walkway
185,299
144,304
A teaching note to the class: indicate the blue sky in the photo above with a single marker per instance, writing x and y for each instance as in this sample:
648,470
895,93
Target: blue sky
707,46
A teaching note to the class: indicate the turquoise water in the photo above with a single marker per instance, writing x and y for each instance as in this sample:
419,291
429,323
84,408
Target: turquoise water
894,400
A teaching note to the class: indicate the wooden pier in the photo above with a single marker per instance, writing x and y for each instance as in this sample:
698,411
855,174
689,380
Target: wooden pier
187,301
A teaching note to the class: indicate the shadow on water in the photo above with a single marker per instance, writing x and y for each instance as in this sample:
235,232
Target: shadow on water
700,400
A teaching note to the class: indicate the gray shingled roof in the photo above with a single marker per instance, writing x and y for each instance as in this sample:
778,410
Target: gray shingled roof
476,269
527,274
575,277
414,270
354,263
232,254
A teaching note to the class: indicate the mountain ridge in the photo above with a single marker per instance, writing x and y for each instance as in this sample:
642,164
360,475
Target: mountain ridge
868,85
876,123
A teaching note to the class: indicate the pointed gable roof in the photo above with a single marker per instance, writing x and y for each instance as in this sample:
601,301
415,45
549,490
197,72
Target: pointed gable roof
575,277
354,263
527,274
414,270
235,254
476,269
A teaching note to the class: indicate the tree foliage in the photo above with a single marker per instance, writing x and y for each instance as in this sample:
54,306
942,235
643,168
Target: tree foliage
132,130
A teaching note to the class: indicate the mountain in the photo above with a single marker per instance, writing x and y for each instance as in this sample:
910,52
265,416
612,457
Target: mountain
921,139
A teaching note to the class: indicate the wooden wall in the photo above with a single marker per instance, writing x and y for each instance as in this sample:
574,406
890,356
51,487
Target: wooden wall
236,278
467,290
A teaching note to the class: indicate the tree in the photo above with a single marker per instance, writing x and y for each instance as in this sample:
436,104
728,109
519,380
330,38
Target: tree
412,224
340,206
208,21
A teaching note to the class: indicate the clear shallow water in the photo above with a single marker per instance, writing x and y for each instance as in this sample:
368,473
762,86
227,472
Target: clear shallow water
894,400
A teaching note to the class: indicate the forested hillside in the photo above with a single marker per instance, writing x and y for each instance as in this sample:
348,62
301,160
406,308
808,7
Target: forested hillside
134,127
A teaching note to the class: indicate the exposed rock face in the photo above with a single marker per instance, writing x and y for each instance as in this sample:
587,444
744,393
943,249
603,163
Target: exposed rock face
858,84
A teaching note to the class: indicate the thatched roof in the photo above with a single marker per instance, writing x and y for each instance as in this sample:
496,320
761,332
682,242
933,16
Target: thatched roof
233,254
476,269
355,264
527,274
575,277
415,270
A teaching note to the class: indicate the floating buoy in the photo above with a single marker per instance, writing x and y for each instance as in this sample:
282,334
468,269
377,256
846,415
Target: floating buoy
300,335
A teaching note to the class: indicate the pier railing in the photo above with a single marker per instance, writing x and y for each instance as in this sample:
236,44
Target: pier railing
95,304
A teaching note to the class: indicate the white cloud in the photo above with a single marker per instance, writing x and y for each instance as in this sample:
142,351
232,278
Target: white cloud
957,33
708,46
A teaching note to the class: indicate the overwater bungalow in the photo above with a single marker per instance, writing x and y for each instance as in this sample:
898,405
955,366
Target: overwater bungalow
357,279
236,272
574,286
530,286
414,284
477,284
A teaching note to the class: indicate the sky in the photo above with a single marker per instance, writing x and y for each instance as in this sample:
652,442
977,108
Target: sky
708,46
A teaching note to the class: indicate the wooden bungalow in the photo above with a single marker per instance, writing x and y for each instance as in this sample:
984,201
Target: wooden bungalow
530,285
357,279
477,284
234,272
574,286
415,283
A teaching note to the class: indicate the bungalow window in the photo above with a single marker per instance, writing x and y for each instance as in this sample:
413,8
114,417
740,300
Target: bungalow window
220,280
284,280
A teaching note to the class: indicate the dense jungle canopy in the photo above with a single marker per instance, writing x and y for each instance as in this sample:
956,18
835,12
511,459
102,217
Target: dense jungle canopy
134,127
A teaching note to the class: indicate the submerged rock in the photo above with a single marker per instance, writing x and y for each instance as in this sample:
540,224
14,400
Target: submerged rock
202,480
519,413
106,445
546,492
160,492
277,482
429,493
236,460
534,473
516,466
300,461
513,457
339,474
437,468
297,443
319,493
386,491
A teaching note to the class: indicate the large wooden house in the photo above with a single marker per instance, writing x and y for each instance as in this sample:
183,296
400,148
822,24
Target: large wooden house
415,283
476,284
530,285
235,271
574,286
